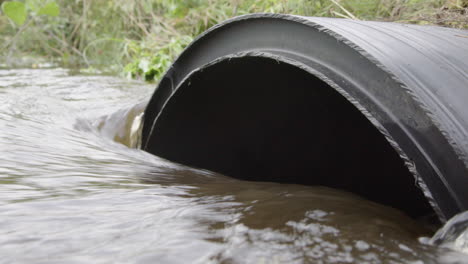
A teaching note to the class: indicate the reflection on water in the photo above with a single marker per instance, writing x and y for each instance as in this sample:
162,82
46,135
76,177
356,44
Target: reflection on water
71,192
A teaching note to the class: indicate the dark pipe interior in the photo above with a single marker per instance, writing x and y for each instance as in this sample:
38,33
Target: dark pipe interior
258,119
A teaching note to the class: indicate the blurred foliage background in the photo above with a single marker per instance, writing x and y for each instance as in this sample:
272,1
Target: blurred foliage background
141,38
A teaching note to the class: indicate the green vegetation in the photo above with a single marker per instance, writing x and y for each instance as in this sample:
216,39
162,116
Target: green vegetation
142,37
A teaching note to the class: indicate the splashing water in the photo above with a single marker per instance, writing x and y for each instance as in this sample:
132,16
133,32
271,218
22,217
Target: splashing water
75,189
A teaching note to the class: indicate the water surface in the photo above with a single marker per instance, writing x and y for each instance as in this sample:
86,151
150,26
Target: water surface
73,189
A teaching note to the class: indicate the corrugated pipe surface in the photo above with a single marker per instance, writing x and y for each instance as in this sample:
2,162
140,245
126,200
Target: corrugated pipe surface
378,109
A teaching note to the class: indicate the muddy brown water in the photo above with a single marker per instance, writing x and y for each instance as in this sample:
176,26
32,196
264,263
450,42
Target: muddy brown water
74,189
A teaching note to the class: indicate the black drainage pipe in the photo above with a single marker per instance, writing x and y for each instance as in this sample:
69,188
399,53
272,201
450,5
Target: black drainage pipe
379,109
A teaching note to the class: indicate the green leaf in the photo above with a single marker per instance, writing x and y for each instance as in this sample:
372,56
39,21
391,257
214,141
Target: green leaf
32,5
16,11
50,9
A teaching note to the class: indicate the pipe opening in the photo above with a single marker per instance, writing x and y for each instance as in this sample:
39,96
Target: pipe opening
258,119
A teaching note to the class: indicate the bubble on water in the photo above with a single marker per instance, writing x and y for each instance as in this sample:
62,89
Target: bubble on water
361,245
404,247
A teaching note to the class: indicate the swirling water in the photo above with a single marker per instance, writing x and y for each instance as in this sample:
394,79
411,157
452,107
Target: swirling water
74,190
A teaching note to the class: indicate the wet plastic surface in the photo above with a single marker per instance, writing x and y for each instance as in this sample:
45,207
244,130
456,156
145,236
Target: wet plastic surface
410,82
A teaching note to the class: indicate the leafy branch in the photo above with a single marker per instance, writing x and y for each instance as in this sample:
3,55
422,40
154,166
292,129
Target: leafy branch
23,14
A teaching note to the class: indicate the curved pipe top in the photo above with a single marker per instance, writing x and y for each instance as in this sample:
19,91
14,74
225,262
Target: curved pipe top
409,81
